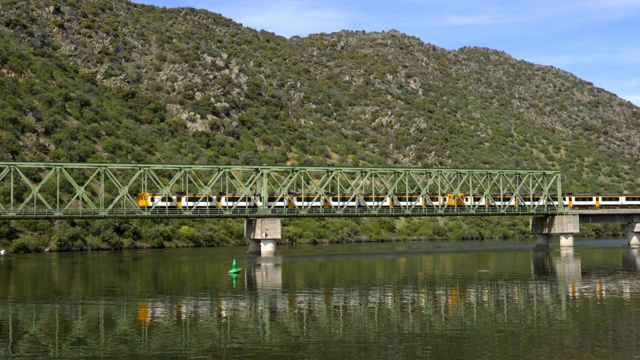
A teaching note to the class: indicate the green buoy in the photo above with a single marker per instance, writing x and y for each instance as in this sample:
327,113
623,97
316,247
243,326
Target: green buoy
234,268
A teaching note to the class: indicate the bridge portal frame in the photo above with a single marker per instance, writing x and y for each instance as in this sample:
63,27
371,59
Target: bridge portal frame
43,190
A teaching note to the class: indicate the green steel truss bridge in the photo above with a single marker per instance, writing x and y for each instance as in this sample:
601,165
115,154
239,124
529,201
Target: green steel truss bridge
91,191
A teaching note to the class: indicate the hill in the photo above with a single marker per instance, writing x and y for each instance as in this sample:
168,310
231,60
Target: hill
121,82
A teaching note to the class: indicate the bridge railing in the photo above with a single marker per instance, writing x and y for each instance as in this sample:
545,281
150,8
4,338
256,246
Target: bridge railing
72,190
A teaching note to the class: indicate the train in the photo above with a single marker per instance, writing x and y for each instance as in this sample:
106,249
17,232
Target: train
180,200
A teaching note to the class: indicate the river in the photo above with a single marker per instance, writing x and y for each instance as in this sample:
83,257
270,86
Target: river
443,300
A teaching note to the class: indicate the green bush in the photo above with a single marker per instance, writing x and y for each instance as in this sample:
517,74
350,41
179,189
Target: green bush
24,246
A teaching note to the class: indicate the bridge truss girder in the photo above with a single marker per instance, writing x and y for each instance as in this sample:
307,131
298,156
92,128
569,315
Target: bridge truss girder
72,190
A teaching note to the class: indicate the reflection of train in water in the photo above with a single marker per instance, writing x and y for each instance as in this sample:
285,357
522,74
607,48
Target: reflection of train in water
310,200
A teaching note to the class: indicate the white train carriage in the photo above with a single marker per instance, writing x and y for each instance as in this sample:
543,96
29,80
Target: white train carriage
309,200
529,200
377,200
503,200
609,200
273,200
479,200
583,201
192,201
565,200
342,201
408,201
552,200
237,200
631,200
435,200
538,200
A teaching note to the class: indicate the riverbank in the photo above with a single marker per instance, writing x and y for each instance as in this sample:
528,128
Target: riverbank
32,236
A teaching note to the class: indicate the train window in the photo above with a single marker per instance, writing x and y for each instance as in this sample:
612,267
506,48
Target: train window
372,197
632,198
610,199
408,197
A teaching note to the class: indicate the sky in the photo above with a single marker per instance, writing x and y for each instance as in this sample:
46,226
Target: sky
595,40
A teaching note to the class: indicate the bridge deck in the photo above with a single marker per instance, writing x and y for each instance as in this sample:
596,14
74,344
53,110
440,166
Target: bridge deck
263,213
605,215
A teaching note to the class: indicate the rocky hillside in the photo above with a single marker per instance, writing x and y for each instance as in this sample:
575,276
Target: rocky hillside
198,87
111,80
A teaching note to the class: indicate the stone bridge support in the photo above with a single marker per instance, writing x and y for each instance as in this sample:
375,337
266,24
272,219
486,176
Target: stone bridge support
625,216
563,225
633,233
262,234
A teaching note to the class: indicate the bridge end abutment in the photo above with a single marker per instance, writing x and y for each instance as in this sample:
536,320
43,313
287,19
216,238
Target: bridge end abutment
262,234
563,225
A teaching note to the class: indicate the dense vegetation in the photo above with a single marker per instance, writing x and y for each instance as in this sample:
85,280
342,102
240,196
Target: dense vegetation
114,81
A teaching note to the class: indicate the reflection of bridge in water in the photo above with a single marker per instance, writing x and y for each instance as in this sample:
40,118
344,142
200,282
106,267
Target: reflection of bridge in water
559,283
570,280
592,283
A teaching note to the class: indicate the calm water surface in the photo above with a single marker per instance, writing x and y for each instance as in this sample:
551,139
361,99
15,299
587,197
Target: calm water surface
366,301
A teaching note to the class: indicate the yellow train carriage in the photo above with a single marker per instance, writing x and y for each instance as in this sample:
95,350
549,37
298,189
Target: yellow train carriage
456,199
158,200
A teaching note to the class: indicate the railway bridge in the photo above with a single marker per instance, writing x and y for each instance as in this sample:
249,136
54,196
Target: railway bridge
262,195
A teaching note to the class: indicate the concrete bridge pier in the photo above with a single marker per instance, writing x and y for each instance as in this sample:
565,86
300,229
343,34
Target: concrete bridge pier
633,233
542,240
566,240
262,234
563,225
